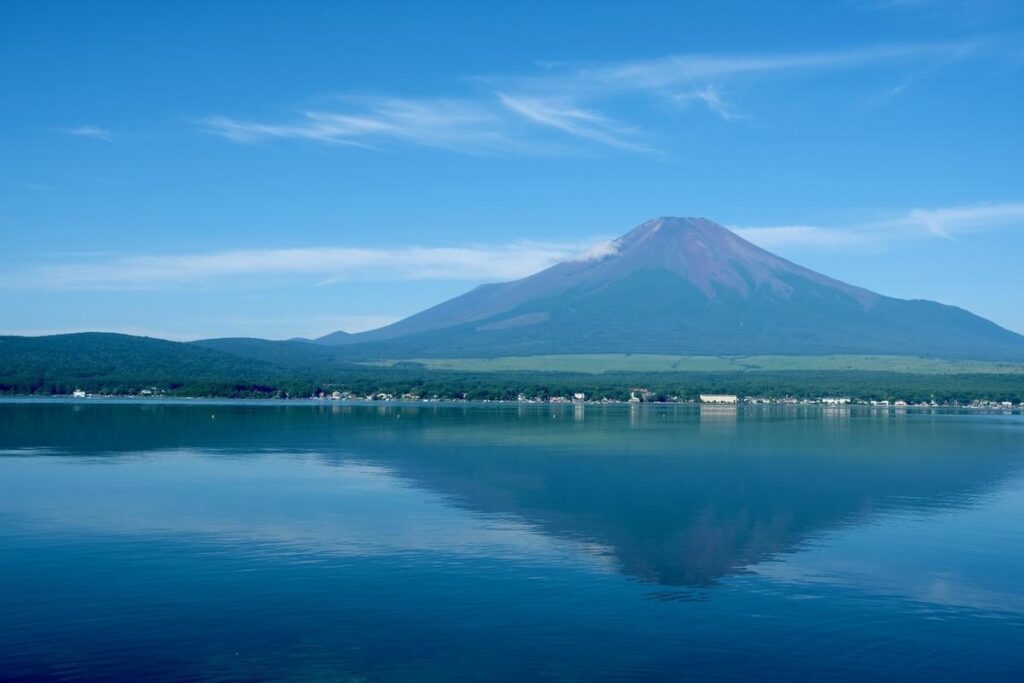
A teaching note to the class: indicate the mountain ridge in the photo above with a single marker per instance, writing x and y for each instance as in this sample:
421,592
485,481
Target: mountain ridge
684,286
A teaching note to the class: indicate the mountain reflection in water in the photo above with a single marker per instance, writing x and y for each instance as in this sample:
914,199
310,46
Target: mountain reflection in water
677,496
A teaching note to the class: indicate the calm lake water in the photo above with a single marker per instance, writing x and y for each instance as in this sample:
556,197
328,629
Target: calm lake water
256,541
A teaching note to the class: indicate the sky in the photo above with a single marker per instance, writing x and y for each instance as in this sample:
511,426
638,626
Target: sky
191,170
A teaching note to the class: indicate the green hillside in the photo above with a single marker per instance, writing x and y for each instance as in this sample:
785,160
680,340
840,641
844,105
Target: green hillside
606,362
122,364
125,365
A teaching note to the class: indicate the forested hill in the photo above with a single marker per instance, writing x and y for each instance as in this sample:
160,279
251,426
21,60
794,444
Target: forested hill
126,365
121,364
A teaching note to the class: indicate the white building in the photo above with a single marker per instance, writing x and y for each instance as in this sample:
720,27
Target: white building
833,401
579,397
718,398
78,393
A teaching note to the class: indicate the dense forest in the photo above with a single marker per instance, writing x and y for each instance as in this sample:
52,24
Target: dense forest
124,365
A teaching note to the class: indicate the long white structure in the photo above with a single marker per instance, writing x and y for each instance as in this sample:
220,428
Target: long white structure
718,398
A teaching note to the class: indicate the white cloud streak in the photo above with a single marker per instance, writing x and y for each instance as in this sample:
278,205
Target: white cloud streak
442,123
944,223
711,98
94,132
497,124
316,266
529,115
686,70
322,266
569,118
774,237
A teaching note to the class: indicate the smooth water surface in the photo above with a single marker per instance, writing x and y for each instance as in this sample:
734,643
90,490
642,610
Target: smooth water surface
258,541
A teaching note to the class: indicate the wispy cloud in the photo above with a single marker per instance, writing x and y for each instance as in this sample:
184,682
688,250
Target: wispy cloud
315,266
496,123
94,132
950,222
958,5
687,70
322,266
776,236
944,223
533,113
710,97
569,118
460,125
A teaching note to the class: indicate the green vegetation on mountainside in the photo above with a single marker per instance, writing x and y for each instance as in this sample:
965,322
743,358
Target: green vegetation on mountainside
606,362
121,364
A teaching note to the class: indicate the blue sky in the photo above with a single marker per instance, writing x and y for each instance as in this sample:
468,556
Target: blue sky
189,170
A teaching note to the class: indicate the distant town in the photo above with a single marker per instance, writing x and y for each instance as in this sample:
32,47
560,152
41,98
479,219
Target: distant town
636,396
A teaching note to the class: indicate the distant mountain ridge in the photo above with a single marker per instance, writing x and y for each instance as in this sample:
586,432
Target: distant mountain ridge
683,286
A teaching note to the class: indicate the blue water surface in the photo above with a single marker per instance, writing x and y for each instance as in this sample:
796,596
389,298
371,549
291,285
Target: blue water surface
196,540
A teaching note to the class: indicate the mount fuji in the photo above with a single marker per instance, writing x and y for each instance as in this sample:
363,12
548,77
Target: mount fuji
683,286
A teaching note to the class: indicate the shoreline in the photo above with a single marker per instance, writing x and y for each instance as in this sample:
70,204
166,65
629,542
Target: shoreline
397,403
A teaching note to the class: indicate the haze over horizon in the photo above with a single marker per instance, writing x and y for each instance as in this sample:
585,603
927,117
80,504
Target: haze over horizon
190,180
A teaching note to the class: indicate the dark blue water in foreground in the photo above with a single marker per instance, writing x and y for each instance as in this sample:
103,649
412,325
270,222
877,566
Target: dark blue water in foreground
361,543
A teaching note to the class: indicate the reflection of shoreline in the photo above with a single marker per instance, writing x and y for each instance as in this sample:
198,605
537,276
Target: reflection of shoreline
714,412
75,426
463,404
718,420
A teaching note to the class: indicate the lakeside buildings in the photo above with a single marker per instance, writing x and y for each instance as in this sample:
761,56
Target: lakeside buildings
580,398
721,399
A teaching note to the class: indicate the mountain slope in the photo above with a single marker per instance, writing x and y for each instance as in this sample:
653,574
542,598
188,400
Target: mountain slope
684,286
291,353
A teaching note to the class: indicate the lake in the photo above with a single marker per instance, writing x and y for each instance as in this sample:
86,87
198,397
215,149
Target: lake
146,540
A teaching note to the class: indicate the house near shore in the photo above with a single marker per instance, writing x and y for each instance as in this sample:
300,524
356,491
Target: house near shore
720,399
641,395
78,393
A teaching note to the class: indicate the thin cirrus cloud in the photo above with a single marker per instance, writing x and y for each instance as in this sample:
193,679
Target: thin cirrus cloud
454,124
319,266
94,132
711,98
566,103
495,125
315,266
688,70
568,118
945,223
